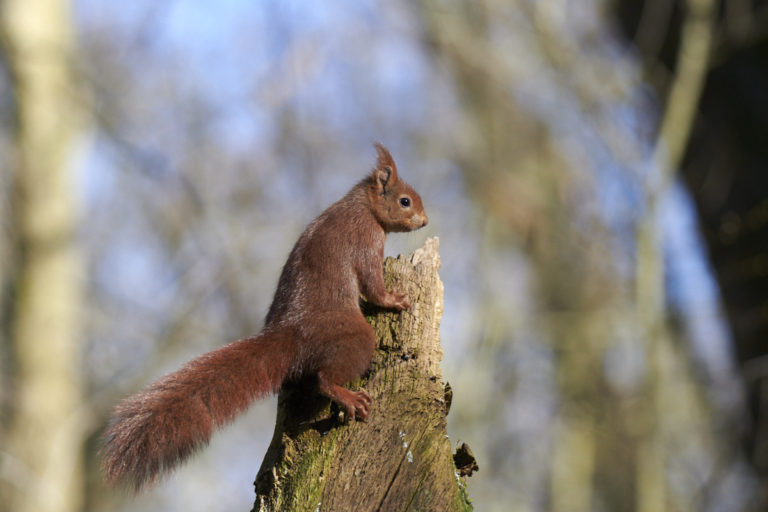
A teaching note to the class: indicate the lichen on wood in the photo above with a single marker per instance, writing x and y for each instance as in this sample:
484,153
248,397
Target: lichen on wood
400,459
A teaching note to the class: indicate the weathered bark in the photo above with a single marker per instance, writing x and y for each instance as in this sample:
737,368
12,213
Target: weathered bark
400,459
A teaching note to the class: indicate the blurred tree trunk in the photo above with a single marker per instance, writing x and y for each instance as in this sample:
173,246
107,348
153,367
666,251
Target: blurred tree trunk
400,459
671,142
42,463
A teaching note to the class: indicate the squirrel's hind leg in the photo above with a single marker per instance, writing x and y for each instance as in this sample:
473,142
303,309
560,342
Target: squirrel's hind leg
356,404
347,343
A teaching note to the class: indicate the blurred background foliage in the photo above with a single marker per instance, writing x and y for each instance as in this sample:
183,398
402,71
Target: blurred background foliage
595,170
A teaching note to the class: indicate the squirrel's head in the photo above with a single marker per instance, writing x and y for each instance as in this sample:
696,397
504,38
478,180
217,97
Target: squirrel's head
395,204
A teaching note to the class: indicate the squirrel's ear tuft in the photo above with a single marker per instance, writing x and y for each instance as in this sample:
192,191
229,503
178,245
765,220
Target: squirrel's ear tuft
385,172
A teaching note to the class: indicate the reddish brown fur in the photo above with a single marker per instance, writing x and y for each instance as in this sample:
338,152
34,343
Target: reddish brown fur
314,326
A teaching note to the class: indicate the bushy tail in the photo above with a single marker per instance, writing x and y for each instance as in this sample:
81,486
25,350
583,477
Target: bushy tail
153,431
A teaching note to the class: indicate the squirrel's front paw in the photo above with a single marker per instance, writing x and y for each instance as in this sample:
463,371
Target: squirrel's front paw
399,301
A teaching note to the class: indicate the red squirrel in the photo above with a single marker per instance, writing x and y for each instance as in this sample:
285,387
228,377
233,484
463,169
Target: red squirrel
314,327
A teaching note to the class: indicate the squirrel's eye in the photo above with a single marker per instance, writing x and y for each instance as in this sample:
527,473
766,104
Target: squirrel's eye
405,202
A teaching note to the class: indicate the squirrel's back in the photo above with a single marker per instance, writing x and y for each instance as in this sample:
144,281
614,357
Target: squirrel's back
327,252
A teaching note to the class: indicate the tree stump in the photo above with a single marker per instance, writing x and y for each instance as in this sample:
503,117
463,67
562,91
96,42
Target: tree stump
398,460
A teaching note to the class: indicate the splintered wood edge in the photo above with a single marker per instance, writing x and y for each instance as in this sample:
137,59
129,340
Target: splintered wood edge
418,276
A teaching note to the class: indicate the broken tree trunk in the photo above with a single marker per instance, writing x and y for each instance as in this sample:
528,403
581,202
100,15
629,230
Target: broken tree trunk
400,459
